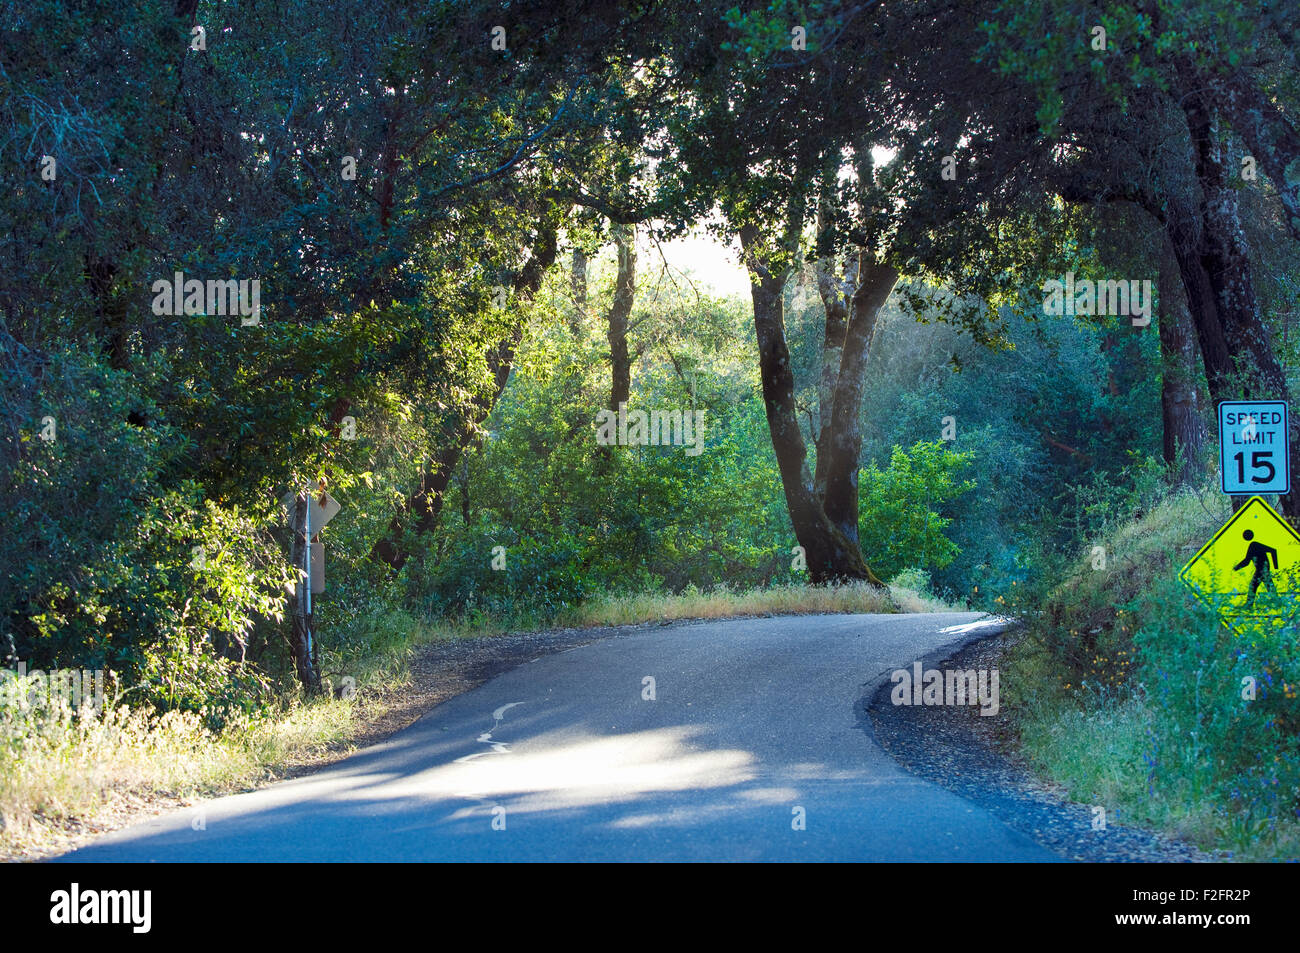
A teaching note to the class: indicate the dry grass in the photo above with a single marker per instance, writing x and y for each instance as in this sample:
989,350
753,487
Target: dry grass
725,603
65,774
912,600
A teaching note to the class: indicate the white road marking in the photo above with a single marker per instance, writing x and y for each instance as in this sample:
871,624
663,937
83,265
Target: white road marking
501,712
972,626
498,747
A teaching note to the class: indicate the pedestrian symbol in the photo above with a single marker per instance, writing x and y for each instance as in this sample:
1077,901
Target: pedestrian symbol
1258,555
1249,573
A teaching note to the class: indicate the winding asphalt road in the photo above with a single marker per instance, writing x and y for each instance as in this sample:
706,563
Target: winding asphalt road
755,746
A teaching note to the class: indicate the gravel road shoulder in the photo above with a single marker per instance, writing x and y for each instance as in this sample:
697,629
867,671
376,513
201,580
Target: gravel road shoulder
972,756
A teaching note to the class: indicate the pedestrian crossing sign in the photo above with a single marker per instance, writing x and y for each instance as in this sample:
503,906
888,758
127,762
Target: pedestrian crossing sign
1249,573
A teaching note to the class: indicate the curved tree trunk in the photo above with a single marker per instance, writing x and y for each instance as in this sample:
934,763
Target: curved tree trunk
1273,140
831,555
836,292
844,448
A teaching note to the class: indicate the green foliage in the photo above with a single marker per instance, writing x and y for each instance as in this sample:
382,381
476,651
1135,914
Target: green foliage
168,590
1050,43
576,519
1062,423
900,506
178,434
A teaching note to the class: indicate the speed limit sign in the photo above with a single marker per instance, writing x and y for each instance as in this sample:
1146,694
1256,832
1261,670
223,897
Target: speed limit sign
1253,447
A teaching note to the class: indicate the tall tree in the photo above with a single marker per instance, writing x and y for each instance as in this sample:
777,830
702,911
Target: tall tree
830,553
620,310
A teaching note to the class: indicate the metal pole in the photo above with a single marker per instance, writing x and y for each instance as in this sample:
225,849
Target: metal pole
307,561
307,550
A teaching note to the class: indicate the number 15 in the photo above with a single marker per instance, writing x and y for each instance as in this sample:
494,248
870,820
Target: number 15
1258,461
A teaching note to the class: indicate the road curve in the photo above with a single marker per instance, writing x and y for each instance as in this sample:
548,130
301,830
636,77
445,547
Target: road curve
755,747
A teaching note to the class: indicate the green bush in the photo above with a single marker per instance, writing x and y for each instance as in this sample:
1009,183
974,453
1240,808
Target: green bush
899,509
106,566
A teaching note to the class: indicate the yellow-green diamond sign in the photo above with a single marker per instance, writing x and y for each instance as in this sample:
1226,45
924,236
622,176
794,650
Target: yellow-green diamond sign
1249,573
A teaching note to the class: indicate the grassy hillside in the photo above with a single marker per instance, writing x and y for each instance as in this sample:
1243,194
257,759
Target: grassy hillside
1136,698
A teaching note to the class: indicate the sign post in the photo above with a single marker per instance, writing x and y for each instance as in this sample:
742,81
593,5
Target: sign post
307,513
